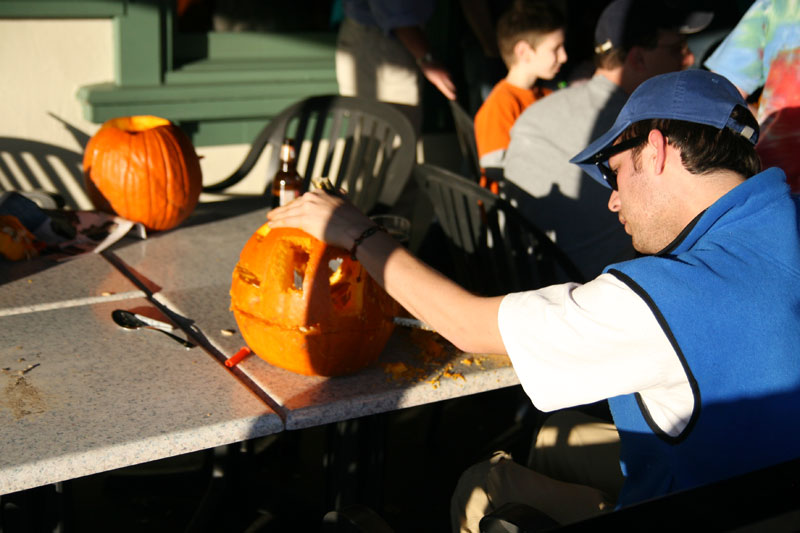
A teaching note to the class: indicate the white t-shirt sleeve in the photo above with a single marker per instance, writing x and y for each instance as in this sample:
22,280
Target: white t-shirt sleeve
575,344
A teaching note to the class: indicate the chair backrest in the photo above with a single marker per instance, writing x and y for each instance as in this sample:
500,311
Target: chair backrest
27,166
494,249
465,131
362,145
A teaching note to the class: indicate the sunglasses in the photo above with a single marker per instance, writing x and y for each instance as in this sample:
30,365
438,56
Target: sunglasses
600,159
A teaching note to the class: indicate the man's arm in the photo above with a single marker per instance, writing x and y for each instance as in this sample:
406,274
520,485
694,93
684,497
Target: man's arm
466,320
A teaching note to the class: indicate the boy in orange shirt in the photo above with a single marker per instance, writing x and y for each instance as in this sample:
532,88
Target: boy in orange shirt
531,41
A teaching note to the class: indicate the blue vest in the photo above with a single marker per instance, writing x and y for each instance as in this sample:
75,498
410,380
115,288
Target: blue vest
727,295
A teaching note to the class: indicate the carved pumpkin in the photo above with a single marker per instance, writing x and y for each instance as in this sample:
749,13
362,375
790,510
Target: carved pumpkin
145,169
308,307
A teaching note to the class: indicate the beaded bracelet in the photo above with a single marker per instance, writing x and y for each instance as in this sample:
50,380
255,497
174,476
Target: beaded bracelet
366,233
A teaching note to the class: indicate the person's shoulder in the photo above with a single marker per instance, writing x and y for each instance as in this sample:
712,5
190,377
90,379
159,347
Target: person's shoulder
491,100
501,87
505,98
551,105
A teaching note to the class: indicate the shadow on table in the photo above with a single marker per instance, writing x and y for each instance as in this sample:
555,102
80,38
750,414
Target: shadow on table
207,212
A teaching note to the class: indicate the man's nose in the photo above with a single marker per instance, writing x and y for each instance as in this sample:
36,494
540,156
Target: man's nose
613,202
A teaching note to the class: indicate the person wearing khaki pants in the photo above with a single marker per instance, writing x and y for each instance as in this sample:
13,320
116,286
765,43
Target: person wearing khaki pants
573,473
381,50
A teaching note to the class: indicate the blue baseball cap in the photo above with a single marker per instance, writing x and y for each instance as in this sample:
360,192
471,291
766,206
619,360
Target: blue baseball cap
692,95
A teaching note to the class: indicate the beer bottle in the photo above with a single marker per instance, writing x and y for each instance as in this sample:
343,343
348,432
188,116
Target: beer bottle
287,183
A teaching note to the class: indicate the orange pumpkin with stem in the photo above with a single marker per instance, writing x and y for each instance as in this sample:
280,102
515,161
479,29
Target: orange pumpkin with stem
145,169
308,307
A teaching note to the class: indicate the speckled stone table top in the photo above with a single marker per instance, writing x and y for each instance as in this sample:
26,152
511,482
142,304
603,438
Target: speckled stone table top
80,395
41,283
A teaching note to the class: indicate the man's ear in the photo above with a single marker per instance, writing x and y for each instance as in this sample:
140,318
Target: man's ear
658,142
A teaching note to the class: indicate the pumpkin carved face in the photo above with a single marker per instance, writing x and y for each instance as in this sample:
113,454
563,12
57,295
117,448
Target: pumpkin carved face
308,307
145,169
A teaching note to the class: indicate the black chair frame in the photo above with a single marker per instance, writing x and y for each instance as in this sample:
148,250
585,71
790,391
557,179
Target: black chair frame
465,133
494,249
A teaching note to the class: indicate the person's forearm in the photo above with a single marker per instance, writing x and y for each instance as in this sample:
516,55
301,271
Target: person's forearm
466,320
414,40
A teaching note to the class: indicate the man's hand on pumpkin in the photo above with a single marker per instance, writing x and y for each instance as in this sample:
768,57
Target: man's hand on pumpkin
324,216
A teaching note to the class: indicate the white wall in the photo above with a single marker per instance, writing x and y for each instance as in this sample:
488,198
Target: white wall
43,62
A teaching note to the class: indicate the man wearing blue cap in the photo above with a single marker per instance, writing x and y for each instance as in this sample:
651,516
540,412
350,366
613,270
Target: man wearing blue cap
696,345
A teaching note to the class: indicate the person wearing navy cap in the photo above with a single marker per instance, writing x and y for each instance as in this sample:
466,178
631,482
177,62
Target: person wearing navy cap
696,343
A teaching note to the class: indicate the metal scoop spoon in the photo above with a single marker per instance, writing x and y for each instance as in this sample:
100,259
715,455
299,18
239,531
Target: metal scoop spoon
128,320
